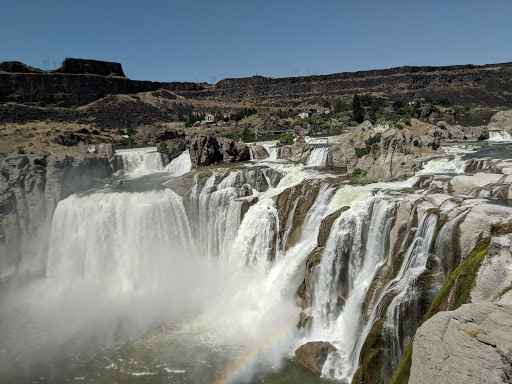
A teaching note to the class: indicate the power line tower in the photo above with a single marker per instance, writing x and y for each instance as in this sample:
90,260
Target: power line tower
54,65
46,65
213,79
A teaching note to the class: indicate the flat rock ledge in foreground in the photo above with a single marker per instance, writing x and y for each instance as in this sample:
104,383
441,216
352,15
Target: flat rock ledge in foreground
472,344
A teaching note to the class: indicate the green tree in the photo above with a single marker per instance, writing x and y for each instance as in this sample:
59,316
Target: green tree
286,139
357,109
373,116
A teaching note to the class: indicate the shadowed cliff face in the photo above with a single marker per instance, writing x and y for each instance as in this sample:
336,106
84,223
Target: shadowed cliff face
79,82
477,82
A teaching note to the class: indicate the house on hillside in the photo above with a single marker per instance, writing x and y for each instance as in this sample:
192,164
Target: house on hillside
323,110
209,119
304,115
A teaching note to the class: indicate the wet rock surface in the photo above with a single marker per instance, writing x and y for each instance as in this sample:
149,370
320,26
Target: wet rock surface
313,355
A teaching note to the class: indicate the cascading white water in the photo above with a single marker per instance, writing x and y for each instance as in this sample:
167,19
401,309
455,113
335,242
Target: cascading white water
403,287
273,151
500,136
353,254
453,164
180,165
443,248
109,235
316,140
318,157
140,161
399,290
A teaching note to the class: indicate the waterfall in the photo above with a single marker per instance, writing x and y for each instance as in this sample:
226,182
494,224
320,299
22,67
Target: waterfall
180,165
273,151
226,258
452,164
354,252
316,140
140,161
318,157
398,293
444,247
500,136
103,235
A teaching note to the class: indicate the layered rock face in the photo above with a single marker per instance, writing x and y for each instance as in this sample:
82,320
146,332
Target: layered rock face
77,82
83,81
30,188
455,82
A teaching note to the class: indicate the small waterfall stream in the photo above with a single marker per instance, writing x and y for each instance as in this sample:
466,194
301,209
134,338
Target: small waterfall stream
318,157
500,136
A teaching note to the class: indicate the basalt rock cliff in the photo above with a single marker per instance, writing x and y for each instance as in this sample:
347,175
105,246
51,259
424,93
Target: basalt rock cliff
79,82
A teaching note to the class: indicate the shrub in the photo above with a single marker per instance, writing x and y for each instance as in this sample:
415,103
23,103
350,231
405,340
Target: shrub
371,144
21,151
286,139
162,147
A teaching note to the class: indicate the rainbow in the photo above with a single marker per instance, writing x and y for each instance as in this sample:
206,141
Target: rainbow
241,366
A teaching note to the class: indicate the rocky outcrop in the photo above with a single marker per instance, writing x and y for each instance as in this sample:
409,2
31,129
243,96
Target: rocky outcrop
30,188
207,150
313,355
93,67
78,82
472,344
381,151
501,120
297,152
258,152
233,152
204,150
460,133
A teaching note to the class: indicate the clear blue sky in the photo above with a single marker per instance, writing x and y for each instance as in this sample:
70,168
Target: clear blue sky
192,39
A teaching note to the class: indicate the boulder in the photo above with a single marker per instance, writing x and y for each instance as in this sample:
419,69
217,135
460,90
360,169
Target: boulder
298,152
232,152
313,355
175,148
204,150
472,344
501,120
457,132
258,152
